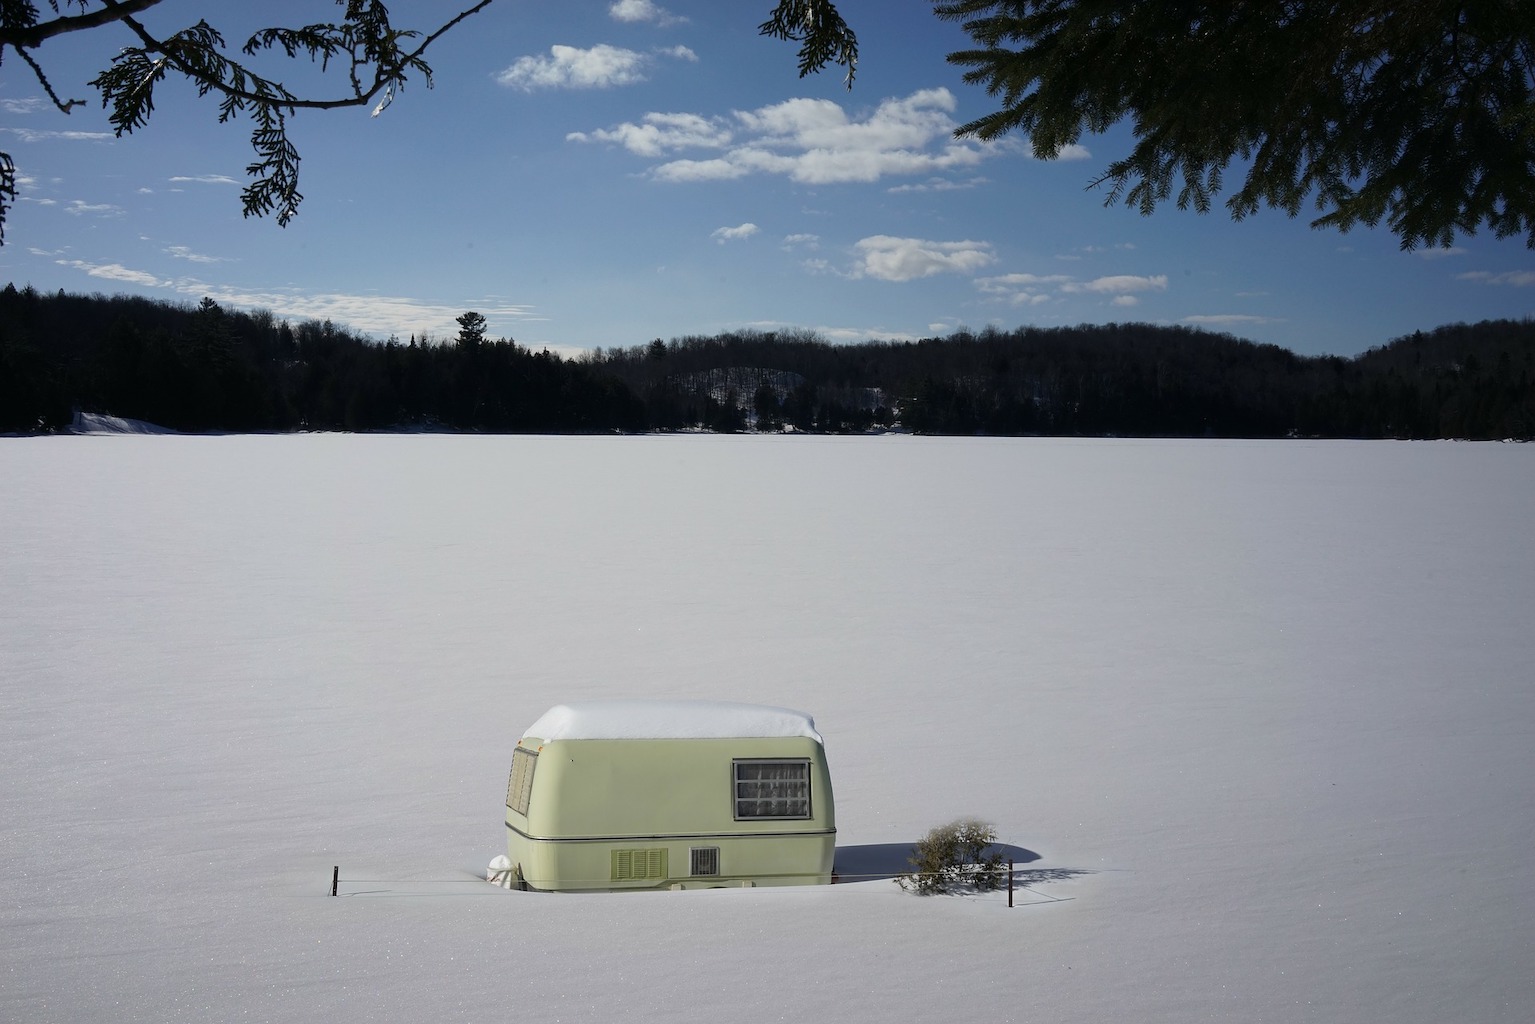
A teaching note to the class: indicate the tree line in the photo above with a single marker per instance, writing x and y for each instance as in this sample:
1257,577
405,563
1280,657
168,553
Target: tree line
207,368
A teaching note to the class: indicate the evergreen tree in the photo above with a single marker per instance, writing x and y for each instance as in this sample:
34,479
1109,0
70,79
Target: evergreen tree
1419,113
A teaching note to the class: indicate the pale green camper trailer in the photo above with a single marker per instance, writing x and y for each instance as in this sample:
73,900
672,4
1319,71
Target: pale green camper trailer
635,794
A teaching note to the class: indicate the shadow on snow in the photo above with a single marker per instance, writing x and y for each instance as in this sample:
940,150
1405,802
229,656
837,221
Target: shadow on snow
888,860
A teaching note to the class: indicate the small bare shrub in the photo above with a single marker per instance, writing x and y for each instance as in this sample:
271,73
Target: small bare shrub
953,858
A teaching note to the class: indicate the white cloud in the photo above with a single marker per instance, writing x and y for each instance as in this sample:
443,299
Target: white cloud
376,314
680,53
1022,289
205,179
32,135
700,170
938,185
568,67
1229,320
904,259
1068,152
802,241
1033,289
1119,284
1439,254
1517,278
723,235
1006,282
115,272
1093,250
814,141
30,105
658,134
380,315
858,335
80,207
642,10
834,335
181,252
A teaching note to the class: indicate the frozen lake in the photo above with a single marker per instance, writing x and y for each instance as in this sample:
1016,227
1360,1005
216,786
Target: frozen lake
1258,715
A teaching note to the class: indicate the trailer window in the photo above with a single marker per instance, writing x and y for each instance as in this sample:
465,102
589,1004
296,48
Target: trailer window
779,788
520,786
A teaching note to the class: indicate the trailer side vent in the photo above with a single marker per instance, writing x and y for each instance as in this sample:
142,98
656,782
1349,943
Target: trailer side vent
704,860
629,865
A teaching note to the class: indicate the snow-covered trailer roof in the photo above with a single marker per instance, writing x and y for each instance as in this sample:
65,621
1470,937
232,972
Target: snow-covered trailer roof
669,719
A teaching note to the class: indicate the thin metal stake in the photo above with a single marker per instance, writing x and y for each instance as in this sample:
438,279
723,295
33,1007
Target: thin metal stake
335,879
1009,881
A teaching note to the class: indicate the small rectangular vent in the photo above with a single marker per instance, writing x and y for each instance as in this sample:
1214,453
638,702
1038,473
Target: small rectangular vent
704,860
629,865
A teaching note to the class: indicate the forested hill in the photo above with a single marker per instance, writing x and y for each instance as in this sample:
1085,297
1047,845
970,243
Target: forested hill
204,368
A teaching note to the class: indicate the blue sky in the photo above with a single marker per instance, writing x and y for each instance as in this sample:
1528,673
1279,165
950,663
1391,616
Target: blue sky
600,174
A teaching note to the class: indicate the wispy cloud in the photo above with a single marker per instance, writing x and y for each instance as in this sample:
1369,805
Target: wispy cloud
1439,254
723,235
657,134
1230,320
938,185
1118,284
115,272
80,208
1022,289
802,241
888,258
33,135
205,179
1516,278
1072,151
29,105
25,185
1034,289
379,315
837,335
812,141
642,10
600,67
181,252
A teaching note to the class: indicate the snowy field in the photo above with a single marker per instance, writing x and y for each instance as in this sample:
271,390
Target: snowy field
1255,718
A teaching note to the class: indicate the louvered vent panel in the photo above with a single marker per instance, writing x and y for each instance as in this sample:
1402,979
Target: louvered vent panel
629,865
704,860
